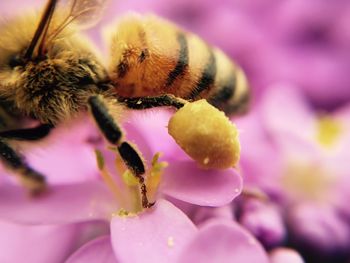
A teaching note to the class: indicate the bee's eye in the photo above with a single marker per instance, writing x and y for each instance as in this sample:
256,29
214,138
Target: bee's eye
16,61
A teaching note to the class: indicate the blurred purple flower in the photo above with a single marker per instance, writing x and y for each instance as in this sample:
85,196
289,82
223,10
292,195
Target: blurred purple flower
263,220
299,159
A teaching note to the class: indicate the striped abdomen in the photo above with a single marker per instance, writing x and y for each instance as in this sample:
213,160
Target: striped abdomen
151,56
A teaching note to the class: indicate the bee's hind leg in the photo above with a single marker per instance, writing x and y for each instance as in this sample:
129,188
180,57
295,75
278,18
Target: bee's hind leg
114,135
30,178
141,103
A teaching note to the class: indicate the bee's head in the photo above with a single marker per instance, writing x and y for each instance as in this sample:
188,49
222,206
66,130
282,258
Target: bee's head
45,78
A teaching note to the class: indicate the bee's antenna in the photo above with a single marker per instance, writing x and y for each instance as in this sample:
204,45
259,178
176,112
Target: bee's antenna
41,31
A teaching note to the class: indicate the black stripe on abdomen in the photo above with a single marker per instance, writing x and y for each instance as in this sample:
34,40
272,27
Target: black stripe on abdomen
227,100
182,62
240,106
225,91
207,78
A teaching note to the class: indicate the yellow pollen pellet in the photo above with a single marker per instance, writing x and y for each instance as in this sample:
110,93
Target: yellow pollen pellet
206,135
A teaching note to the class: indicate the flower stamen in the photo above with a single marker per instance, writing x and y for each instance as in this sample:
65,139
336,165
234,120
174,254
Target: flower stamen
133,196
107,177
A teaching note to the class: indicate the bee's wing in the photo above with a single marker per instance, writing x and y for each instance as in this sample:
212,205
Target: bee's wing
85,13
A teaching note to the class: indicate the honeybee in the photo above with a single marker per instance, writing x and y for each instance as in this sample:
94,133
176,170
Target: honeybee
49,73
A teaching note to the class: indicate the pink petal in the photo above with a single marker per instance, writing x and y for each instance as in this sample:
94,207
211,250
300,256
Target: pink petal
63,163
65,156
223,241
150,127
98,250
36,244
296,149
257,150
201,214
284,110
185,181
158,234
61,204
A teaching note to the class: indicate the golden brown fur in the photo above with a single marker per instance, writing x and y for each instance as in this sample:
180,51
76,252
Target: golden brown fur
146,52
50,89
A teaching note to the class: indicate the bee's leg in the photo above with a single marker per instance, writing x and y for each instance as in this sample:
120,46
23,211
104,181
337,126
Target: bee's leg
32,180
114,135
141,103
30,134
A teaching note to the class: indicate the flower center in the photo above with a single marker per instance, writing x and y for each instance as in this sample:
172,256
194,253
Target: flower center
126,187
307,181
329,130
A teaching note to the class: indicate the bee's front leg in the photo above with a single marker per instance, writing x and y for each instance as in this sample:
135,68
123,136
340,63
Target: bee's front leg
30,134
33,180
113,133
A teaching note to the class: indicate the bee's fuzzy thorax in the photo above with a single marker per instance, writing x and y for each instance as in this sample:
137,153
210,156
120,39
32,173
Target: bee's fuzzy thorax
55,87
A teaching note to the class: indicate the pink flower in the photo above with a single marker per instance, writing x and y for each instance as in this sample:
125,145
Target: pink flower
73,201
182,179
165,233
